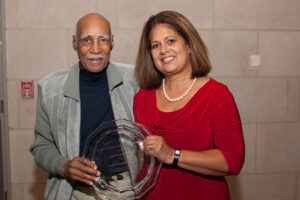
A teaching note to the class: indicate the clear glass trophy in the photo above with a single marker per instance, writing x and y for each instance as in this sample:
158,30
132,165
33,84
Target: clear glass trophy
126,171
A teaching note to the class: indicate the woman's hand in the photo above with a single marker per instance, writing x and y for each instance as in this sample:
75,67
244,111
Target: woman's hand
156,146
81,169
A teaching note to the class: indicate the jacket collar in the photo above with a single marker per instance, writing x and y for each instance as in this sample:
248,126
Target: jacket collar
71,87
114,76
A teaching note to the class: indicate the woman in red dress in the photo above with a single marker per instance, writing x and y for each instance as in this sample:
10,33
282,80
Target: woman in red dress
194,120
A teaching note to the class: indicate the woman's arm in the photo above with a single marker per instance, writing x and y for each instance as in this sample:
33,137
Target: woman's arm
209,162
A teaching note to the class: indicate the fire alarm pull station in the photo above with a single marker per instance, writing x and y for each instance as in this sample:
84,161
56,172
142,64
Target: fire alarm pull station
27,89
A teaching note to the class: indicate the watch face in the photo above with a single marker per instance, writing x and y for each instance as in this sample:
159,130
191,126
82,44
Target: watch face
117,149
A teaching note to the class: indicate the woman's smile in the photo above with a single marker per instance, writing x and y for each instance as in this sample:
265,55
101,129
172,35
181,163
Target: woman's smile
168,60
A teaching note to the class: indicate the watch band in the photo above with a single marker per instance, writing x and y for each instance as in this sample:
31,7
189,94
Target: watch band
177,153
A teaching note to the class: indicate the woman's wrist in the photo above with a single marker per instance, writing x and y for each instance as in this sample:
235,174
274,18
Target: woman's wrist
170,157
177,153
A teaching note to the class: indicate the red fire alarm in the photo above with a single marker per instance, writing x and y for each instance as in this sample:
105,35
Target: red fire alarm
27,89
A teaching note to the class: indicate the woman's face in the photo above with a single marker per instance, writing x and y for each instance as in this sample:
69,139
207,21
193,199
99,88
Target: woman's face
169,51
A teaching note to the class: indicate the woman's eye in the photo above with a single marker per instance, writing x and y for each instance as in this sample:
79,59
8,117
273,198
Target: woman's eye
154,46
171,41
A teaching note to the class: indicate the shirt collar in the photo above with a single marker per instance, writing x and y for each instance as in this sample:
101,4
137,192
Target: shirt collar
71,87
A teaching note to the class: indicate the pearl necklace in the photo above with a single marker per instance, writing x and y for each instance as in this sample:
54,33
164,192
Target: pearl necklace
180,97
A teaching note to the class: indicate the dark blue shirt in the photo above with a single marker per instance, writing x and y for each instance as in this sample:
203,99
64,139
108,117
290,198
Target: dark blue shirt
96,108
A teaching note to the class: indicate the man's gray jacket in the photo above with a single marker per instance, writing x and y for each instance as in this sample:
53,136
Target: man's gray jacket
57,129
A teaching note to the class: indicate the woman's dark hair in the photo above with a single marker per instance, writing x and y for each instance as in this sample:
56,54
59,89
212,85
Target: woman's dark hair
146,73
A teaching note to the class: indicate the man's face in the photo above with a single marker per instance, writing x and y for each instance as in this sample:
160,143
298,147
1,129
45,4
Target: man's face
93,43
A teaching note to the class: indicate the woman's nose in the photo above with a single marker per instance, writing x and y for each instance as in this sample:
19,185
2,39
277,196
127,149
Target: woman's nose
164,49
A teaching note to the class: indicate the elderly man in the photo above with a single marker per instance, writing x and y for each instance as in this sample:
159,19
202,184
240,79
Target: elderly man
72,103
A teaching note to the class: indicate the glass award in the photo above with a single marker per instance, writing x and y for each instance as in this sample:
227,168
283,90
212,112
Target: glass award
117,149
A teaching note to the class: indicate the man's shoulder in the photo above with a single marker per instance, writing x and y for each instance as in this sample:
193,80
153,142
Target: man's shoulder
53,83
55,76
123,66
126,70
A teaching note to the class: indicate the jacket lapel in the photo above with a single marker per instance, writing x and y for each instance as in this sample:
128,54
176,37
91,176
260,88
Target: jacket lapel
72,95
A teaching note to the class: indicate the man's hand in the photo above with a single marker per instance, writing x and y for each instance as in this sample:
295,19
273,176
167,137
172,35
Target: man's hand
80,169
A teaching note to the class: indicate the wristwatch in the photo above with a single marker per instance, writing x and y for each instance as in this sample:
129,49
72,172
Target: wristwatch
177,153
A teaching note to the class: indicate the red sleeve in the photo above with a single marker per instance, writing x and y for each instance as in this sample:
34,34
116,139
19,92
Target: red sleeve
227,129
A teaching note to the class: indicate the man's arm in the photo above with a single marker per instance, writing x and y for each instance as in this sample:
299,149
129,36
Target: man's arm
47,155
44,149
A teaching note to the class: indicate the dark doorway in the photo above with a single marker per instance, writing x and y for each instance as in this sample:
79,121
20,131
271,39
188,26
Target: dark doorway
5,193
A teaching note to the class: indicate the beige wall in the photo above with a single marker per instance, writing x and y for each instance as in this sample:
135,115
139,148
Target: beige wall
39,42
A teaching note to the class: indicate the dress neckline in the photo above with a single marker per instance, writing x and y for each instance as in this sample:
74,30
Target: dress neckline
187,104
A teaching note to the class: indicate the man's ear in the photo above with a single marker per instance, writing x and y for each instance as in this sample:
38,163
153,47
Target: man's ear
112,42
74,42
